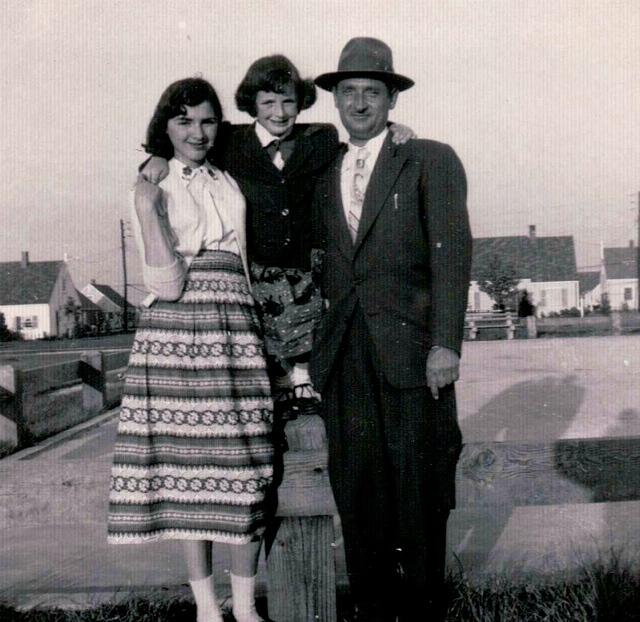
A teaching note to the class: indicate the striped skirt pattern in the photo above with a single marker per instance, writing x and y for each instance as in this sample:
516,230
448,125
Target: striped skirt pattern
193,458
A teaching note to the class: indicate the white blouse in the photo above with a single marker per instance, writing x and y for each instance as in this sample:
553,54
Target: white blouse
203,209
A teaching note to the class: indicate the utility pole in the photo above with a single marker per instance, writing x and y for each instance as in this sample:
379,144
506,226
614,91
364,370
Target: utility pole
125,323
638,258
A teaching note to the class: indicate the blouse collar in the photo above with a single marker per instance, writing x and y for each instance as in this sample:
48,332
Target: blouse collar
187,173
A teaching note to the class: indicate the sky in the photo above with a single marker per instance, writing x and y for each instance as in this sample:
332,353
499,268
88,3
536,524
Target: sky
540,99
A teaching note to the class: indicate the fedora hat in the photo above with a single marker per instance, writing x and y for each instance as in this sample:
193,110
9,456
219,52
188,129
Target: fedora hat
364,57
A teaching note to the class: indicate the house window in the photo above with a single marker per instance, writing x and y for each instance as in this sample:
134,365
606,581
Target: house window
628,293
476,300
30,322
565,298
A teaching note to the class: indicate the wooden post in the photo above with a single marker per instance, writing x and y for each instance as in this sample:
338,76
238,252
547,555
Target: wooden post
616,322
532,329
92,374
511,328
302,578
301,561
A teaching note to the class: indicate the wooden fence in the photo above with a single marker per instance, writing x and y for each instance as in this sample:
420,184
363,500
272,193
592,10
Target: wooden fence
301,561
302,575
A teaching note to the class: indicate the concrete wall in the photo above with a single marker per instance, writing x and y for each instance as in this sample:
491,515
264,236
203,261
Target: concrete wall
38,403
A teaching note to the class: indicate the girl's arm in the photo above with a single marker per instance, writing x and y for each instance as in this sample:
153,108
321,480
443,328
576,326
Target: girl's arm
163,270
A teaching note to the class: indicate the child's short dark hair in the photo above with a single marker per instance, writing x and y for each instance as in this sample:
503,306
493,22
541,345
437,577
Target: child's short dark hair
273,74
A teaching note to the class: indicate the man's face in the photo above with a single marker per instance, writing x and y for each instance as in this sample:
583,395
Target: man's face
364,106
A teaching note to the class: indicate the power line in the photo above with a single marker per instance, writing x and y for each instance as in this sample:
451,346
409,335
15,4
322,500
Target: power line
124,274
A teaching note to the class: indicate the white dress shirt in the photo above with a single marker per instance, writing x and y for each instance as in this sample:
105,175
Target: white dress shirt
204,210
264,135
374,147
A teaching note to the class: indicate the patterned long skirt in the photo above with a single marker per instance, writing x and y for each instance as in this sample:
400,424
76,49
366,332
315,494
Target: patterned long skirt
193,458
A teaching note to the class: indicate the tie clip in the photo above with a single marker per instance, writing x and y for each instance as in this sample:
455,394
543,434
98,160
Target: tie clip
395,201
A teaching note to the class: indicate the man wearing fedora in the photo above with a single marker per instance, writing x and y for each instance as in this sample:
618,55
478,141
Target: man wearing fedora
393,222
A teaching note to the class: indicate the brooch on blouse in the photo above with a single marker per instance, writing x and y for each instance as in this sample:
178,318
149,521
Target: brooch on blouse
188,172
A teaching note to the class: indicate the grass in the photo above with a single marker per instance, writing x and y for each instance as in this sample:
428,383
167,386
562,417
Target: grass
133,610
600,595
603,593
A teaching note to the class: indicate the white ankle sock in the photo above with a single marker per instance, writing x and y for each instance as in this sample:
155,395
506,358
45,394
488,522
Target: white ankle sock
299,377
204,593
244,605
300,374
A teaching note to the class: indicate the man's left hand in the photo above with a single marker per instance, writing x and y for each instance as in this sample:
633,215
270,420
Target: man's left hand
400,134
443,368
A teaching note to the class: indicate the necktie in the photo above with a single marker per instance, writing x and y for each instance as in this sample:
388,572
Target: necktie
359,183
273,148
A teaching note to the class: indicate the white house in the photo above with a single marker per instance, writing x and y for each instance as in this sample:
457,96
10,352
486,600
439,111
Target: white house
38,299
111,303
590,289
620,276
545,267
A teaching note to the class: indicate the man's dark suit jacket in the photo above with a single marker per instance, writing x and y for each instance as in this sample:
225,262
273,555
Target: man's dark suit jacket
279,203
409,268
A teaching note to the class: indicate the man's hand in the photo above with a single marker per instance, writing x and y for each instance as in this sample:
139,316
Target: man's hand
443,368
155,170
400,133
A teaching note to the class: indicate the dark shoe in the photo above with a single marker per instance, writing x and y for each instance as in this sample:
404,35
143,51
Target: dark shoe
306,399
285,405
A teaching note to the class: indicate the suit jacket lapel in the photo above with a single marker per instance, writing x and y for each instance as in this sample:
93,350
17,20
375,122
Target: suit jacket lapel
255,151
388,166
301,152
339,220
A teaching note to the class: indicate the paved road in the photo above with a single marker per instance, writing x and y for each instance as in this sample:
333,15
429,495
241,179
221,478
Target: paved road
30,354
550,388
53,549
86,343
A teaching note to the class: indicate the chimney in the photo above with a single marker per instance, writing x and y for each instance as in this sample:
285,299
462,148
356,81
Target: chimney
532,232
24,262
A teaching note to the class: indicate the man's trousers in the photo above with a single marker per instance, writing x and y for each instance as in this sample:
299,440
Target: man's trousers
392,457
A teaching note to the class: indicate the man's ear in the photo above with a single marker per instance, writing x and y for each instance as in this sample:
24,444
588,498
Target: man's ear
393,98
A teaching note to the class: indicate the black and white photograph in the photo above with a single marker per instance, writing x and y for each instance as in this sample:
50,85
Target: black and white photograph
320,311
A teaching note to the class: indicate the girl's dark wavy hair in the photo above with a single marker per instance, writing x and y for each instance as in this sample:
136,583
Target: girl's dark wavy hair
273,74
187,92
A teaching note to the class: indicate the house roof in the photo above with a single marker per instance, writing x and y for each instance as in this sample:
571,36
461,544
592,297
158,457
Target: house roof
86,304
110,293
588,281
621,262
536,258
32,284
